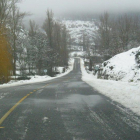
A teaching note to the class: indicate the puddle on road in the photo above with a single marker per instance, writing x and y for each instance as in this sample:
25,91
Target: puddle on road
75,101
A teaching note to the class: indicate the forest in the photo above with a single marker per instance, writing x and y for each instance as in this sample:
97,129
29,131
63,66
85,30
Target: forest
117,34
27,52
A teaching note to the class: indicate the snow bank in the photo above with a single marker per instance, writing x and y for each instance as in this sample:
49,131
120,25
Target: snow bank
123,66
128,94
37,78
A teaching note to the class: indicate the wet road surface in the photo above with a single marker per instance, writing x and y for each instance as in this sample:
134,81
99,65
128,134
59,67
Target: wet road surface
65,108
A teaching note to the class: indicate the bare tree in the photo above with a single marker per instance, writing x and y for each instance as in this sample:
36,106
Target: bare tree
5,9
124,27
15,23
32,48
32,28
64,50
104,31
84,41
58,39
48,27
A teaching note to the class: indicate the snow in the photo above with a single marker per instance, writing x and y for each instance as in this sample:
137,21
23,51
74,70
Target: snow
77,27
125,93
37,78
124,66
77,54
60,69
45,119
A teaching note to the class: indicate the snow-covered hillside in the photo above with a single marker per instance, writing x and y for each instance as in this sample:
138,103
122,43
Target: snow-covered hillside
124,66
77,28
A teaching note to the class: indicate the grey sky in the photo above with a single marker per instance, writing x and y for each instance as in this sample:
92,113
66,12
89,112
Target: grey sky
63,7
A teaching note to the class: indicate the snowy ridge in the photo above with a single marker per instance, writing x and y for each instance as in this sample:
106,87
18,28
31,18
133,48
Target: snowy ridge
127,94
123,66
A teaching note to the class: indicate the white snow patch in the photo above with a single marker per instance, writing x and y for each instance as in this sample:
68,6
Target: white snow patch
77,54
45,119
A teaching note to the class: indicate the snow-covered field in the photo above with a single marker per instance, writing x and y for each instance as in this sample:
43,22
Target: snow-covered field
37,78
124,66
128,94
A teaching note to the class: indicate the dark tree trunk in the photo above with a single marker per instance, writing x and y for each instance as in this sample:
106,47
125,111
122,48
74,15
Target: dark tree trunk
90,65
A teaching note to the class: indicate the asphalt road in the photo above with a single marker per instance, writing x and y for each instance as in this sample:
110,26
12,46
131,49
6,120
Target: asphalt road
65,108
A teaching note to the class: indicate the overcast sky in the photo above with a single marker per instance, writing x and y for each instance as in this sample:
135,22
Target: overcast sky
65,7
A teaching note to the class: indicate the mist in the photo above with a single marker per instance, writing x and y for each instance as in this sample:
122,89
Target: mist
77,8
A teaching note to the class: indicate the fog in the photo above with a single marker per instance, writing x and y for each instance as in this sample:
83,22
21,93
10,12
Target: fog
69,8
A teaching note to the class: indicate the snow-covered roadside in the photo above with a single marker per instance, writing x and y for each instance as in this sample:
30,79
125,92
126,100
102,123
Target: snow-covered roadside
124,66
36,79
128,94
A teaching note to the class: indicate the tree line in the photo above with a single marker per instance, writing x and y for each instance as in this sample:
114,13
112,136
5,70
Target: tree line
30,51
116,35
